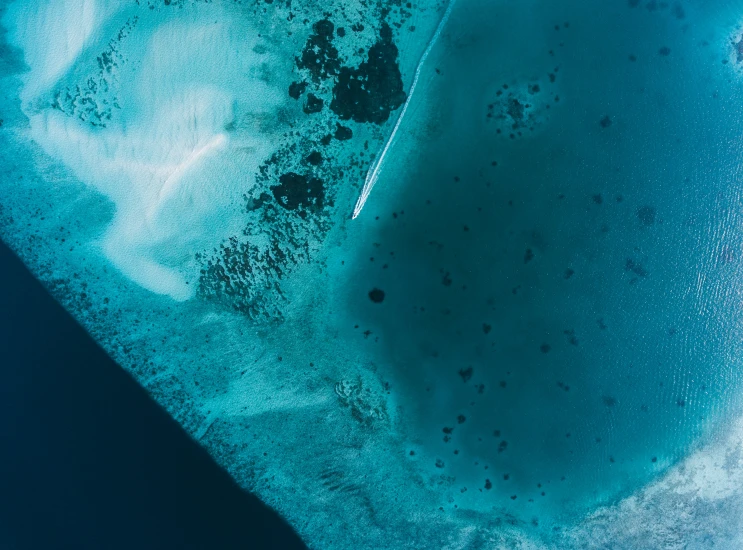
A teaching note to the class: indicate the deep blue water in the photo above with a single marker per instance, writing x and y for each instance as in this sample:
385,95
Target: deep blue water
89,460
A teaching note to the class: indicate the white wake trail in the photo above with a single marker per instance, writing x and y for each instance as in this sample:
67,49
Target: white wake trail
373,174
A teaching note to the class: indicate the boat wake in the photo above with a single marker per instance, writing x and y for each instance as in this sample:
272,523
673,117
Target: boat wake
376,167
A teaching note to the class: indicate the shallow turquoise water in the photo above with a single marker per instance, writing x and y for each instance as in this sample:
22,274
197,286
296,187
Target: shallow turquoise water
535,316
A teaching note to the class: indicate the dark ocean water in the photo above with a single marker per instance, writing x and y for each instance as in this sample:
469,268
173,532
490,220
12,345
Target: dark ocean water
88,460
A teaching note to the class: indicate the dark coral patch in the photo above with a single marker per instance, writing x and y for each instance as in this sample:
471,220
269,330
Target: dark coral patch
376,295
515,110
314,158
343,133
635,267
295,190
646,215
319,56
372,91
609,401
296,89
739,50
466,374
313,104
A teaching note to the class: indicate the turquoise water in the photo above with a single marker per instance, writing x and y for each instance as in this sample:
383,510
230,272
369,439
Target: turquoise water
587,282
528,337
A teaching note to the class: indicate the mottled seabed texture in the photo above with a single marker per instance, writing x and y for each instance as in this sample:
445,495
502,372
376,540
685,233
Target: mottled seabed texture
529,338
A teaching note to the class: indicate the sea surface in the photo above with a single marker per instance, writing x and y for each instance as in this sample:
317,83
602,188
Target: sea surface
530,334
